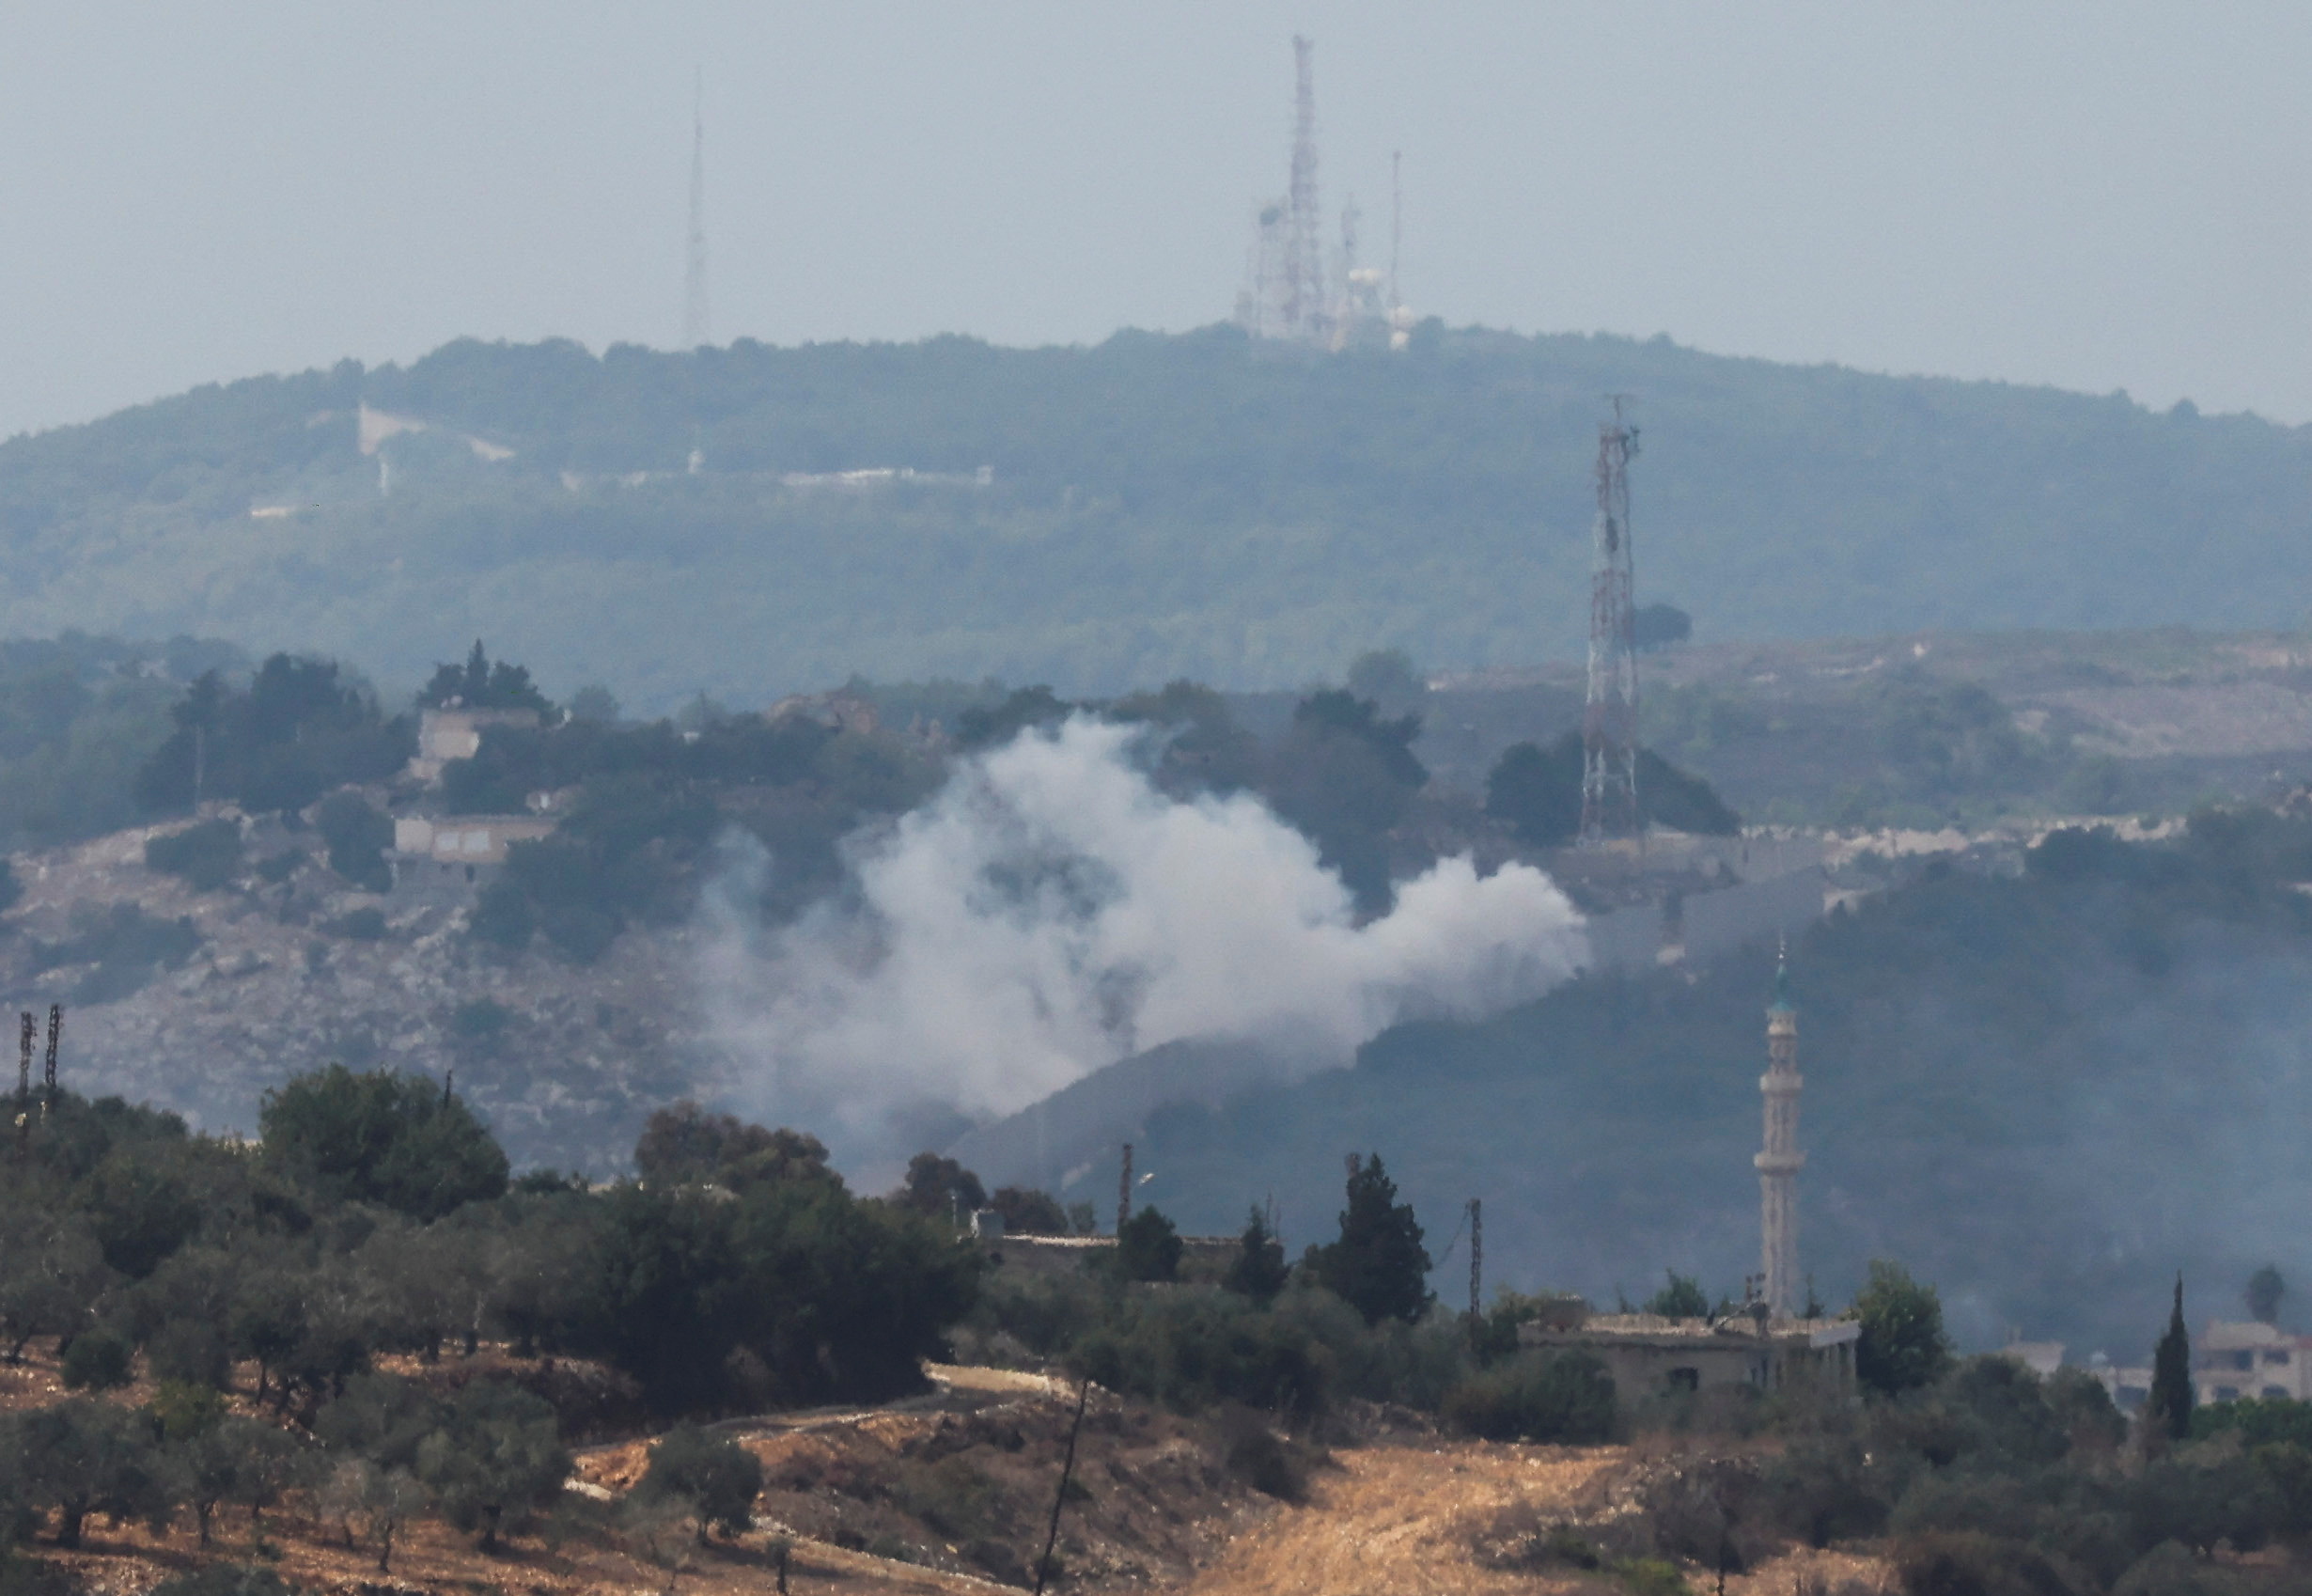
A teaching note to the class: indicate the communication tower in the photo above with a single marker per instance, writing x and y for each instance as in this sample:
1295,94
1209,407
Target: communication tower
1303,306
1609,722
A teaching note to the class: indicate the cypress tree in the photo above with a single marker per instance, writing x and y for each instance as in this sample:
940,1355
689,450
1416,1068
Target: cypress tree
1379,1266
2170,1408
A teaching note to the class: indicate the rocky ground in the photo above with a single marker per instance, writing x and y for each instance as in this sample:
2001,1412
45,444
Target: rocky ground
284,975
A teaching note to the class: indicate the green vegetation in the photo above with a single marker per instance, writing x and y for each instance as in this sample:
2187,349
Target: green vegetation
207,854
1538,793
396,1140
1378,1265
1259,522
376,1217
1993,1075
298,729
716,1479
1902,1346
2169,1409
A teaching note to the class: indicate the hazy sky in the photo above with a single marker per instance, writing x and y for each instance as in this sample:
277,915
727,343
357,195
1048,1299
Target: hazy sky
2094,196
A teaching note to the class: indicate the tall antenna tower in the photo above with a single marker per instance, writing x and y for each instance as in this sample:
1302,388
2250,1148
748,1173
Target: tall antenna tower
1304,264
1609,723
697,329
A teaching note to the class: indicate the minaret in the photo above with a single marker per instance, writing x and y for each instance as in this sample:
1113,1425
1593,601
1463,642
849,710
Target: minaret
1779,1164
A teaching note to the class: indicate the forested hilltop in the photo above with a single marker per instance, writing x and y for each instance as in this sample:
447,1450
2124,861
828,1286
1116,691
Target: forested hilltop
1150,507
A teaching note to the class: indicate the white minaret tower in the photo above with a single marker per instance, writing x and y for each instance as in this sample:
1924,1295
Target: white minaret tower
1779,1164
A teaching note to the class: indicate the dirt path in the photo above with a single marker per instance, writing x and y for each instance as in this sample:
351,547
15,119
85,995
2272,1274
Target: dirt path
1401,1519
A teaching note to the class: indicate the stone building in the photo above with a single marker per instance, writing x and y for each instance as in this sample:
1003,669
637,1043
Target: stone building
449,859
1651,1355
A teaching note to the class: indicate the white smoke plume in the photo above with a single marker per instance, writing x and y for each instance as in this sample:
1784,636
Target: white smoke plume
1050,911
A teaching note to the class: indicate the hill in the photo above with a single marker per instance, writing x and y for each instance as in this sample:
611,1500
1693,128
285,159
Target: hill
1153,507
2046,1091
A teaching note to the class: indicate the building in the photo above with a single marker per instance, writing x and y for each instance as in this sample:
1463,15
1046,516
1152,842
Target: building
448,734
2255,1359
1767,1347
1648,1354
451,858
2229,1361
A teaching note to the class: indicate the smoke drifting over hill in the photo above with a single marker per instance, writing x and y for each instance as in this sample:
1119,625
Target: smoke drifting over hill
1050,911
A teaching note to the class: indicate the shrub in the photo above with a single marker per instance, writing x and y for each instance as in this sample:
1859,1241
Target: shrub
1568,1397
361,925
127,947
716,1475
96,1360
207,855
224,1579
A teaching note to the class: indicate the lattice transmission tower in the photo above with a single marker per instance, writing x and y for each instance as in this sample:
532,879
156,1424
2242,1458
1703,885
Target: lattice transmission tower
696,326
1305,312
1609,722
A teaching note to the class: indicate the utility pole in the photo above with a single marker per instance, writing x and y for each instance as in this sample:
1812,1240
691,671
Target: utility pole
696,327
1609,721
1477,1266
56,1033
26,1032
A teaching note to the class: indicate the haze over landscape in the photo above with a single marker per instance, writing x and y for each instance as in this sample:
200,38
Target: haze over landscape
898,797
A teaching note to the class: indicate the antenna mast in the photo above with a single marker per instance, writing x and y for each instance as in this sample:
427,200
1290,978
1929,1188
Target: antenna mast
1609,723
696,327
1304,307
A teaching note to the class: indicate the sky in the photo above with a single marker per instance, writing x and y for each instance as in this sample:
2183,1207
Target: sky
2096,197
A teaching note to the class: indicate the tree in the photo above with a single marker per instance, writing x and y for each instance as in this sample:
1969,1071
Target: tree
2168,1411
1902,1346
940,1188
715,1477
479,685
296,733
51,1270
1538,791
683,1142
594,703
383,1137
495,1458
1259,1269
2264,1293
1030,1213
1681,1297
220,1456
1658,626
1147,1247
357,836
832,1297
82,1456
382,1498
1379,1266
